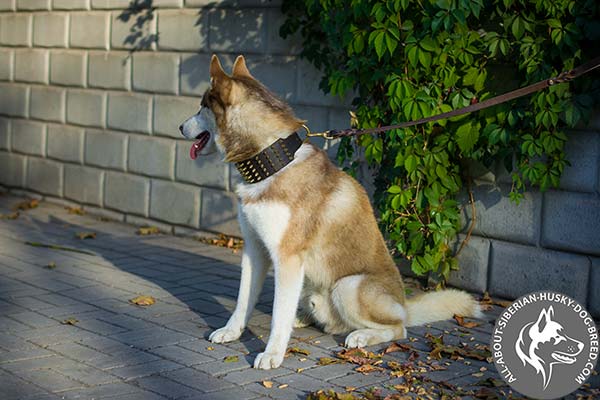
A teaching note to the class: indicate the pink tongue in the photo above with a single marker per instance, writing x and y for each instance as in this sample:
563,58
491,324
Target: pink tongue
199,145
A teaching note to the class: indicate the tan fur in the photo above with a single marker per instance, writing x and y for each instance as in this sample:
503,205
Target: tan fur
351,281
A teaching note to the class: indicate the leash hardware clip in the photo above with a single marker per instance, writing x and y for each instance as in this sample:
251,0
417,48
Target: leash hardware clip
324,135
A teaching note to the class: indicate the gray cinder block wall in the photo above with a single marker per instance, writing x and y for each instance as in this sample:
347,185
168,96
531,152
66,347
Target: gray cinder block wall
92,93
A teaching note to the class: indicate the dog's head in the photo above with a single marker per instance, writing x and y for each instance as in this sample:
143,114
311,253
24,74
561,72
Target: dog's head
544,343
239,114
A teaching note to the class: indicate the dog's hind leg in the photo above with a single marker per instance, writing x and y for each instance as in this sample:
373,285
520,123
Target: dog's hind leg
370,307
255,264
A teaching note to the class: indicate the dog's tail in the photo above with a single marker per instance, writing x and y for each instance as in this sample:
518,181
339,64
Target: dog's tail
441,305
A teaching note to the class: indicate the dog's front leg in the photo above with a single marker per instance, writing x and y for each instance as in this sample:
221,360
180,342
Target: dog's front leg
288,286
255,264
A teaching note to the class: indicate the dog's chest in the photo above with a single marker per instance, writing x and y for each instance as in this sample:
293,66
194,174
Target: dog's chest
269,220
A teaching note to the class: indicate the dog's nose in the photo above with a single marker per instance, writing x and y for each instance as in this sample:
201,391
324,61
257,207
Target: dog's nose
181,128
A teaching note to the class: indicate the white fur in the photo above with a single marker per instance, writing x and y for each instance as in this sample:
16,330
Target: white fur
438,306
204,120
255,264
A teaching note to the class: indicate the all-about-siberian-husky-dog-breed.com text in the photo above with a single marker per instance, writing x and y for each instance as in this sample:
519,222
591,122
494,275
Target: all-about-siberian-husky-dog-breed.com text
309,221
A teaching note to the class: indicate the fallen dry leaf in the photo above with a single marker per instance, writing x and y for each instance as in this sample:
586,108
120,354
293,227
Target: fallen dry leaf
491,382
328,361
210,348
350,389
296,350
487,300
26,205
397,347
85,235
14,215
330,395
283,386
51,265
69,321
368,368
267,384
299,370
222,240
75,210
230,359
147,230
143,300
460,320
358,356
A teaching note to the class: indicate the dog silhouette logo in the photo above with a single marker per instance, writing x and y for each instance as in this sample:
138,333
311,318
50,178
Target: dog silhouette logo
545,345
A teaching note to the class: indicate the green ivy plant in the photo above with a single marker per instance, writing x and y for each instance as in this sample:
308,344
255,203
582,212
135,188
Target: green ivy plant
404,60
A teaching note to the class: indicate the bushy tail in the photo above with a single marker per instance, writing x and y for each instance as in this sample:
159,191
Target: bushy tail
441,305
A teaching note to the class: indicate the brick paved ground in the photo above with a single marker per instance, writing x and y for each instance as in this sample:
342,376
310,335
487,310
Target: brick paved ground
121,351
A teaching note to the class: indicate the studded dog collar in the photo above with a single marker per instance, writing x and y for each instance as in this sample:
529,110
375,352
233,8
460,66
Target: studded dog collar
270,160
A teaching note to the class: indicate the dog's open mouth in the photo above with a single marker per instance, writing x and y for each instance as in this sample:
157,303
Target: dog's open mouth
563,358
201,141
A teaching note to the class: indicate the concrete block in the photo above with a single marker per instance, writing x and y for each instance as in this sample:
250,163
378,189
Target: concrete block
127,33
156,72
28,137
68,68
175,203
48,103
152,156
583,152
14,100
517,269
84,185
473,264
499,217
12,169
219,212
65,143
278,74
130,112
33,4
207,171
7,60
31,65
167,3
86,107
238,30
571,222
275,43
71,5
127,193
105,149
90,30
8,5
593,292
170,112
4,134
193,74
308,91
182,30
110,70
51,29
16,29
45,176
110,3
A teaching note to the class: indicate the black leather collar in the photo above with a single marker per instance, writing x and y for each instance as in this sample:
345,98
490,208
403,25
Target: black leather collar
270,160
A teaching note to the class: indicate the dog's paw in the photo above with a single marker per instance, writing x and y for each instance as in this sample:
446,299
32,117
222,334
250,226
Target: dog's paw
358,338
268,360
224,335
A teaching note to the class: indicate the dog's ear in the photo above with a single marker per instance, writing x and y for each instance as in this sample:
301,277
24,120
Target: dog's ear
240,68
216,70
544,318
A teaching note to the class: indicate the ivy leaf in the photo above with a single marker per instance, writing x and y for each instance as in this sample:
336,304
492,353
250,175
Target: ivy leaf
379,45
427,43
410,163
394,189
466,137
518,27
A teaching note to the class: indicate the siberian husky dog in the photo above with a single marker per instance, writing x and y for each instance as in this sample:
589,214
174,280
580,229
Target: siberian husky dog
313,224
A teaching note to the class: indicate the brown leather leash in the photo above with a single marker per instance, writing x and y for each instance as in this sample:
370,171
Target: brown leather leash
563,77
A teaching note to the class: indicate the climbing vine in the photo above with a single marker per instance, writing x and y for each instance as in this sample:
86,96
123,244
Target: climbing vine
404,60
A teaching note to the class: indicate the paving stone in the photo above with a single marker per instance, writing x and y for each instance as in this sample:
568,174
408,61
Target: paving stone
593,293
226,394
254,375
285,394
16,388
145,369
167,387
197,379
50,380
117,390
